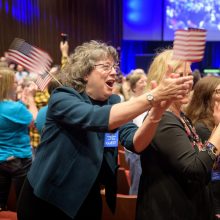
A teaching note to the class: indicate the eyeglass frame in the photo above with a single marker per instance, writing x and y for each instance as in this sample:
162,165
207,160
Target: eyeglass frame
115,66
217,91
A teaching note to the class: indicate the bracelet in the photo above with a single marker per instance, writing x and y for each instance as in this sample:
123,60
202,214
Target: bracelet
154,120
151,118
211,150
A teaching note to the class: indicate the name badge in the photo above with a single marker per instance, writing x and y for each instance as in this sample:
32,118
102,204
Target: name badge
111,139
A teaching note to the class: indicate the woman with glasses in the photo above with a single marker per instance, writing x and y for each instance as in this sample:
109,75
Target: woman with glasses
204,112
85,122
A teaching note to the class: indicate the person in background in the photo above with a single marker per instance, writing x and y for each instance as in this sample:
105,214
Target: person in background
84,122
176,166
41,99
15,149
64,49
138,81
196,77
41,116
12,65
204,112
126,90
2,59
117,87
20,73
3,64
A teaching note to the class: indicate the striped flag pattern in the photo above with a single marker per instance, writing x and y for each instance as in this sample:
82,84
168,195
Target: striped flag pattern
32,58
189,45
43,80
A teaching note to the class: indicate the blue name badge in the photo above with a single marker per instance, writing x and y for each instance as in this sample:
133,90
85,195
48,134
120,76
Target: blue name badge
111,139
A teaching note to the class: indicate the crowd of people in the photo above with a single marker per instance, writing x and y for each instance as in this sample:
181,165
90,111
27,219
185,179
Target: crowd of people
60,146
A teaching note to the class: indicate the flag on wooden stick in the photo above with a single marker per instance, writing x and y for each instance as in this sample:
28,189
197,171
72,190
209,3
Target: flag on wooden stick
32,58
44,79
189,45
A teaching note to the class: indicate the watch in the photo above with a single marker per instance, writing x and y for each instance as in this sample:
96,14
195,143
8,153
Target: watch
150,99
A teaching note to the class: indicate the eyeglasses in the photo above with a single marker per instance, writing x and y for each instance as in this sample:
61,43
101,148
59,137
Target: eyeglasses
107,68
217,91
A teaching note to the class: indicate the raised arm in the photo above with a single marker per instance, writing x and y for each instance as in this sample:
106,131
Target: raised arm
170,89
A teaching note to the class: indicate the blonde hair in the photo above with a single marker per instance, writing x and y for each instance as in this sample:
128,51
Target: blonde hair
3,64
159,66
7,80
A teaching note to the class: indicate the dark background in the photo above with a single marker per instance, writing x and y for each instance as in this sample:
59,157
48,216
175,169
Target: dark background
40,23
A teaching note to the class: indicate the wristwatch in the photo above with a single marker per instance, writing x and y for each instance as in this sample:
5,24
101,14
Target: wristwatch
150,99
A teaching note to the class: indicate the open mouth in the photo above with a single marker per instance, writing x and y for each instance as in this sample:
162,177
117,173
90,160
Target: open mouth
110,83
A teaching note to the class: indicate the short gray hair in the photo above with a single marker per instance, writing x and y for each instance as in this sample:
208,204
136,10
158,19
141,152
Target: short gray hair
81,62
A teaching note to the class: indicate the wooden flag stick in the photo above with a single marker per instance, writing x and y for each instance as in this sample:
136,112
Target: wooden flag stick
184,71
55,79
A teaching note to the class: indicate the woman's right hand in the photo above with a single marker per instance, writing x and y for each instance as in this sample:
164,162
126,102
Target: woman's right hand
172,88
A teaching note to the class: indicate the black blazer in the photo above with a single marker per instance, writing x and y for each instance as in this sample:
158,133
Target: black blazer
71,153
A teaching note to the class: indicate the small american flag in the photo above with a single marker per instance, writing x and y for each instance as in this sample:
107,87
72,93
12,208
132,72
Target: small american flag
189,45
32,58
43,80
